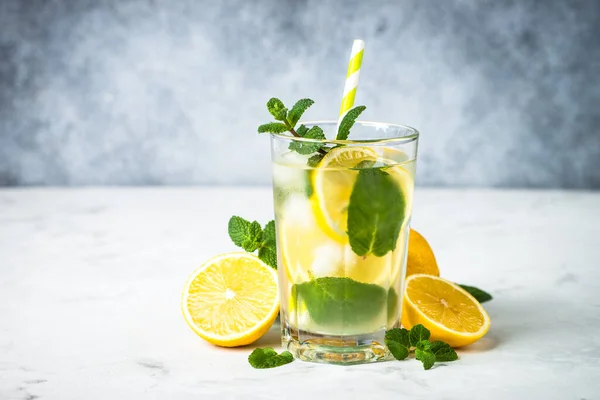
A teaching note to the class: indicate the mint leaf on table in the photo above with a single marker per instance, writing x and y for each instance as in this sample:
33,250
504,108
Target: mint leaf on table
424,354
277,109
308,147
375,213
268,249
348,121
268,358
298,109
340,301
480,295
398,343
417,334
245,234
273,127
443,352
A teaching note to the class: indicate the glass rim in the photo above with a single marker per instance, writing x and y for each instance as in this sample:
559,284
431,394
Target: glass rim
390,140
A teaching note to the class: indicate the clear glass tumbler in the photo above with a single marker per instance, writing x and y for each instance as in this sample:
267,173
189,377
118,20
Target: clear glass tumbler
342,213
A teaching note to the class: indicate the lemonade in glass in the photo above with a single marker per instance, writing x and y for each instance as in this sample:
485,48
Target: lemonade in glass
342,214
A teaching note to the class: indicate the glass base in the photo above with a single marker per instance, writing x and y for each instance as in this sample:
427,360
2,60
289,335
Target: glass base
335,349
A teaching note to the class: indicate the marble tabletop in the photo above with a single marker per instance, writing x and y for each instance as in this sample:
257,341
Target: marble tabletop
90,281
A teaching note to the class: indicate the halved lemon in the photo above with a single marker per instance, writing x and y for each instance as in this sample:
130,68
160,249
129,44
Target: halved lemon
420,258
333,180
449,312
231,300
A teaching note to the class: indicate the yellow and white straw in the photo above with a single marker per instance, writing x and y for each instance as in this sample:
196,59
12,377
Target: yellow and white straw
358,48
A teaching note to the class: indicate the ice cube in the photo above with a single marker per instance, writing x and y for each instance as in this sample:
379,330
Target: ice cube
298,211
328,260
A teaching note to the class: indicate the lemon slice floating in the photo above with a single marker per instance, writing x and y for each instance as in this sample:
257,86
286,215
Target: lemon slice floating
231,300
333,180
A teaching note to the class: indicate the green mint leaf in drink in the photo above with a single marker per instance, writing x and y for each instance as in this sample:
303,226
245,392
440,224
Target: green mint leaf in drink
340,302
480,295
417,334
443,352
277,109
313,161
297,110
398,343
348,121
375,213
308,147
268,250
424,354
273,127
268,358
245,234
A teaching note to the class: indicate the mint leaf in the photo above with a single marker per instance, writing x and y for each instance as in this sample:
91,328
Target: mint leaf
298,109
480,295
245,234
273,127
348,121
308,147
398,343
443,351
268,358
424,354
268,249
302,130
277,109
417,334
313,161
375,213
340,301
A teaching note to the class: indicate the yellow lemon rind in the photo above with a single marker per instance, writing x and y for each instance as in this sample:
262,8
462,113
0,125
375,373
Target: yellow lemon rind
412,315
241,338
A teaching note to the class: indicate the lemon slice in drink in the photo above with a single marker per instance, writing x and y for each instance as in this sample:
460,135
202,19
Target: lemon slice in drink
231,300
333,180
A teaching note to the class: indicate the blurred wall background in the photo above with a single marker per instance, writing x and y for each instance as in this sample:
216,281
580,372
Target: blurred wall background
141,92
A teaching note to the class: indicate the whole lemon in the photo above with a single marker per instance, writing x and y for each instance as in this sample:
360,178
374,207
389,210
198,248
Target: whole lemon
420,259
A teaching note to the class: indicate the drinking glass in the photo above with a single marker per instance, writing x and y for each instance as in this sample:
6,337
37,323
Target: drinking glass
342,214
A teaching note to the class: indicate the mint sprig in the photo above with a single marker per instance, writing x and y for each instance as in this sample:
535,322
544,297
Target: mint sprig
400,342
348,122
298,109
443,351
418,333
480,295
251,237
289,118
424,354
308,147
268,247
268,358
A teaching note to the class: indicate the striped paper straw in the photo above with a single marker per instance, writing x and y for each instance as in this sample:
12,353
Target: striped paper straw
358,48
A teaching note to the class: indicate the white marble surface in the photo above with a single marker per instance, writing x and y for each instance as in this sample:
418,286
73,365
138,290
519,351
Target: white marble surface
90,281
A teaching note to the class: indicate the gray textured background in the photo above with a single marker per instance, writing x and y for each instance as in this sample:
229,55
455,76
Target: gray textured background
505,93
